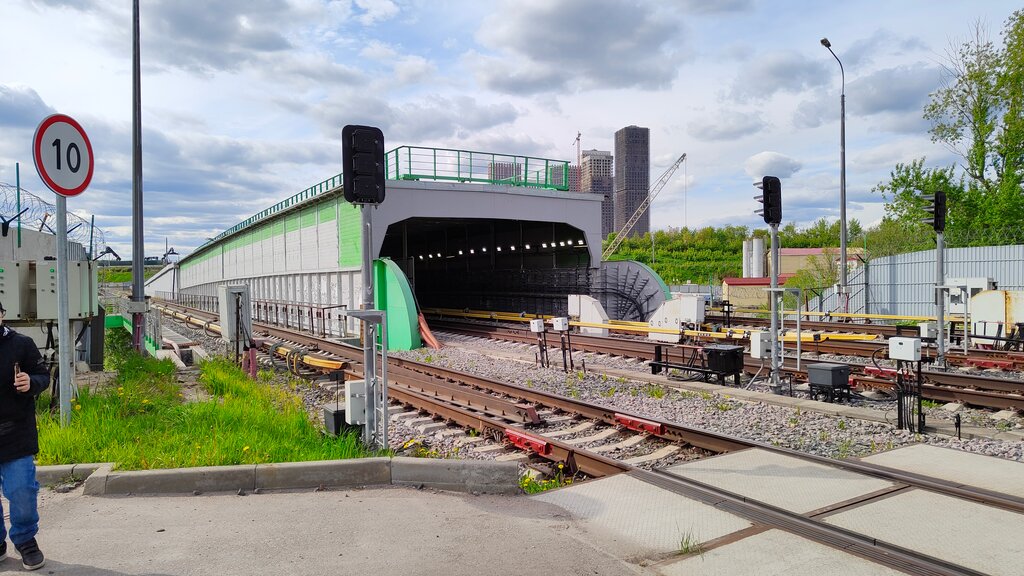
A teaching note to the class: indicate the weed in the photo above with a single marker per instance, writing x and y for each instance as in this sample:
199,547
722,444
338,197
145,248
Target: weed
531,485
706,396
690,544
621,379
824,436
841,425
609,392
843,451
529,383
724,406
1004,425
428,359
472,433
687,394
655,391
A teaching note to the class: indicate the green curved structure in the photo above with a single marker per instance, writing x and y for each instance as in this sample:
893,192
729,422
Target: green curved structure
393,295
661,282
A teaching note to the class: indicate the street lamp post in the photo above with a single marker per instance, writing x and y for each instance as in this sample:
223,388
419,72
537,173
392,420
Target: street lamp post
842,173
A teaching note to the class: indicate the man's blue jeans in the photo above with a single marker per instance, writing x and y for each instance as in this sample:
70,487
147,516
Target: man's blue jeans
18,478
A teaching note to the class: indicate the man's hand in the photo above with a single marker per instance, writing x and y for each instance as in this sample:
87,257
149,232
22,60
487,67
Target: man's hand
22,383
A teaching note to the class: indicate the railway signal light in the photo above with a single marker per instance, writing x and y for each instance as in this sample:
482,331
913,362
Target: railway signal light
362,158
770,198
936,210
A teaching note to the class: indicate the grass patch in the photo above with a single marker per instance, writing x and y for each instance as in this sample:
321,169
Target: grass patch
690,544
141,421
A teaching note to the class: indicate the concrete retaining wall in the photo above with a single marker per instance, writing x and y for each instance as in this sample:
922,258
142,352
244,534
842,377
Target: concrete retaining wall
483,476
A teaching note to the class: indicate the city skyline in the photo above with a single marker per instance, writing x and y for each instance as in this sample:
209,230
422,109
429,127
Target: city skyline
243,102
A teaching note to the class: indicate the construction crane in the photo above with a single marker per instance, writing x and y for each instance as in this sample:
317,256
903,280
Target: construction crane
658,185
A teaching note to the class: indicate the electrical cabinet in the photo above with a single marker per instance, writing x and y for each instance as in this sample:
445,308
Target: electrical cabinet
537,325
15,290
905,349
760,345
46,290
560,324
355,402
235,310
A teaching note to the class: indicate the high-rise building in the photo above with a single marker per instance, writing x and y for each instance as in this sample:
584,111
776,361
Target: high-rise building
505,172
632,176
555,176
596,178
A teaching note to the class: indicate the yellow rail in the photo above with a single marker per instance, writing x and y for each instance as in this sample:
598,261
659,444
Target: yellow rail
843,315
640,327
280,349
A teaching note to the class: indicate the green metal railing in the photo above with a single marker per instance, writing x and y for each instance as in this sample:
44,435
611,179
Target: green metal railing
414,163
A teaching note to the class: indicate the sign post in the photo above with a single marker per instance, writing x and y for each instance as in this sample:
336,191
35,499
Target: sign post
64,160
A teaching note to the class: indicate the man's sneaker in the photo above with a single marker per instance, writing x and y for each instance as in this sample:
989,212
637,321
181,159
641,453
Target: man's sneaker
31,557
3,550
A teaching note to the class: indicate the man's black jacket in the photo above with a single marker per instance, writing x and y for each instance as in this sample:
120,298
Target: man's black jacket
18,436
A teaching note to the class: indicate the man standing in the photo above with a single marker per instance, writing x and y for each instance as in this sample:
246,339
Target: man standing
22,377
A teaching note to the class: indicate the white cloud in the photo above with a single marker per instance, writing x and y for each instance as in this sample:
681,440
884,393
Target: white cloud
771,164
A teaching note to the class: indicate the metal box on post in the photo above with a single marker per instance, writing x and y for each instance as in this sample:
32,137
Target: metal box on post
760,345
537,325
560,324
355,402
905,349
14,289
233,305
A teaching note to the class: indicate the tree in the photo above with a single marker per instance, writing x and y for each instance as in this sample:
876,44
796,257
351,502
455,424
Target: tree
978,113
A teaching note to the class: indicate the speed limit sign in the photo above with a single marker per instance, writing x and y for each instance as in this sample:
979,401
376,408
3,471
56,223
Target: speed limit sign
63,155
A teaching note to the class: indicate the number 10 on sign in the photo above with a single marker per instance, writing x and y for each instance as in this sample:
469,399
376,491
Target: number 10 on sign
63,155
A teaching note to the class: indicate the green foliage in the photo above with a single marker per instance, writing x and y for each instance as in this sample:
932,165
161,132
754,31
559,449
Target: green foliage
978,114
141,421
121,274
690,544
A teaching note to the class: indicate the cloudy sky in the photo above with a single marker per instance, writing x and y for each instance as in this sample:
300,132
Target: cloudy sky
244,100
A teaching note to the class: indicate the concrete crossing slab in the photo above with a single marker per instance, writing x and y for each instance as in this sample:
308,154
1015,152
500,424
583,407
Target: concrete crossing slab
790,483
761,554
629,518
977,470
972,535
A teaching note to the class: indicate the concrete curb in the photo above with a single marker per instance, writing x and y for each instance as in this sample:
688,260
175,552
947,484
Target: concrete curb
483,476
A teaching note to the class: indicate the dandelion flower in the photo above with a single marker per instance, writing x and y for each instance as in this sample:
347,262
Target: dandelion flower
246,449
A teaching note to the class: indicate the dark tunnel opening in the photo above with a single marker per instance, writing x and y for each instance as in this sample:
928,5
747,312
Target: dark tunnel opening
491,264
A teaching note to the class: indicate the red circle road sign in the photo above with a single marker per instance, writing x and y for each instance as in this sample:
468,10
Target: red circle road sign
63,155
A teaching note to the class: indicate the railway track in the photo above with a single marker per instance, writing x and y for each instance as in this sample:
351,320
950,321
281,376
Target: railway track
507,411
983,391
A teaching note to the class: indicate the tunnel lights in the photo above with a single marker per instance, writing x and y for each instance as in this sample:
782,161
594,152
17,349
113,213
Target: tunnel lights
498,248
543,244
471,251
460,252
527,247
484,249
421,256
431,256
580,242
438,254
512,247
561,243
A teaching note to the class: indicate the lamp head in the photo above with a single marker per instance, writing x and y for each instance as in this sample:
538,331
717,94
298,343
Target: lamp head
826,43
